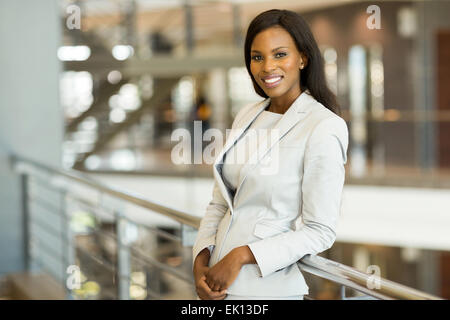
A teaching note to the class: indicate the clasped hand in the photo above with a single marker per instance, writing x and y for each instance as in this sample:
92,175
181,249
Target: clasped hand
211,283
224,272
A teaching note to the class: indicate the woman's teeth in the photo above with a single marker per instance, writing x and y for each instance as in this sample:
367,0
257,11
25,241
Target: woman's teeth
272,80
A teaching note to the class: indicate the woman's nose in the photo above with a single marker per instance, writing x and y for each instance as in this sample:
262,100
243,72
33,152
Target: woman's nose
269,65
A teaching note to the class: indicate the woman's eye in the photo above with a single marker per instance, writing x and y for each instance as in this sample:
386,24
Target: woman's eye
278,55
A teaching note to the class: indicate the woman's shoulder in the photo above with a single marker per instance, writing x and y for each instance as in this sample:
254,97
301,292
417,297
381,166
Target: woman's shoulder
321,113
322,119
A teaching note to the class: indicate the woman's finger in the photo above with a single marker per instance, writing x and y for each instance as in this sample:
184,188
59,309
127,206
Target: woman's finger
205,291
215,287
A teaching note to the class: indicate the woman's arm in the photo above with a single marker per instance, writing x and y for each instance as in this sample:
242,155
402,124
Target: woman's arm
215,211
217,207
206,238
322,185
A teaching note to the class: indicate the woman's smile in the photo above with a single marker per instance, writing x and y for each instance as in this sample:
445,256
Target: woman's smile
272,81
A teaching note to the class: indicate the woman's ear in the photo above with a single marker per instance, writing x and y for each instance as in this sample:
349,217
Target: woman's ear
303,61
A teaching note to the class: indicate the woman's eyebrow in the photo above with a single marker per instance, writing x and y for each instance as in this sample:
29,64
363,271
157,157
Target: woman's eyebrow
272,50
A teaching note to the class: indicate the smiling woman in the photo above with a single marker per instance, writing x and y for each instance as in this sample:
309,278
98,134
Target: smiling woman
280,43
275,65
260,223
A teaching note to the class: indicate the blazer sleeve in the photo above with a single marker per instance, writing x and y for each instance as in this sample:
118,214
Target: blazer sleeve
322,185
206,236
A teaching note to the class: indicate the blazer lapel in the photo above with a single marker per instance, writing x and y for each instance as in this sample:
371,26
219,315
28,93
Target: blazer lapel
235,134
290,118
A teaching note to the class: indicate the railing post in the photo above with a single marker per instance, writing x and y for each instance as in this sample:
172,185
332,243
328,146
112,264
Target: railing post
68,254
123,258
26,222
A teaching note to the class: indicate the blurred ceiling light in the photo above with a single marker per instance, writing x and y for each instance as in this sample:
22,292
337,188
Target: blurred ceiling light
124,160
76,92
114,77
88,124
74,53
72,112
122,52
407,22
330,55
113,101
68,160
82,147
85,103
85,137
93,162
117,115
129,97
68,147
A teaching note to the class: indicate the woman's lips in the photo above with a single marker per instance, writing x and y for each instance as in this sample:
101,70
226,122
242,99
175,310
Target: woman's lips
272,82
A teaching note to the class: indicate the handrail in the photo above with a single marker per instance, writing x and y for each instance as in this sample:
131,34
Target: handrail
319,266
179,216
355,279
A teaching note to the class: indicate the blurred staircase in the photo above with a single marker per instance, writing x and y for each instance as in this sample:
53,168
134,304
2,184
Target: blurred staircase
99,64
100,111
27,286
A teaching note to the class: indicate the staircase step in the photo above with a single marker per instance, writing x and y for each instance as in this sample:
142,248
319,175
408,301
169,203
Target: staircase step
27,286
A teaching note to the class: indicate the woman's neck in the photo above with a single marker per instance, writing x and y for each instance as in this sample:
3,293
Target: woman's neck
281,105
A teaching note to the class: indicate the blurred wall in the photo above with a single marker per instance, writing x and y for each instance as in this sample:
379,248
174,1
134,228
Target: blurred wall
31,122
411,66
345,26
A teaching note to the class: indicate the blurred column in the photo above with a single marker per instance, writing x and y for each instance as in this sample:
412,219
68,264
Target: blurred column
189,22
31,120
377,146
217,95
429,272
358,110
237,34
130,23
426,146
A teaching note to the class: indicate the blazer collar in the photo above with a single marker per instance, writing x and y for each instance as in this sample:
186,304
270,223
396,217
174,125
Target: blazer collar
297,111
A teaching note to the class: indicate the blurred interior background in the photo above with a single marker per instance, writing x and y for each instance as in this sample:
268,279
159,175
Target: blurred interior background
98,87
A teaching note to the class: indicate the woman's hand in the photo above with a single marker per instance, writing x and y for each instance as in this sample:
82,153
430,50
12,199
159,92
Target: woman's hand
200,270
223,274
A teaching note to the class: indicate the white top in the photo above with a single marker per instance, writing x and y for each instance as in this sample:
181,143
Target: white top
239,153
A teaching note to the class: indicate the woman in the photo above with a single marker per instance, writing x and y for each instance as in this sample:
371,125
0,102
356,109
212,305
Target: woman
260,223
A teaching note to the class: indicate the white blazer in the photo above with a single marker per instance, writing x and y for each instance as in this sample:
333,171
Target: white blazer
285,215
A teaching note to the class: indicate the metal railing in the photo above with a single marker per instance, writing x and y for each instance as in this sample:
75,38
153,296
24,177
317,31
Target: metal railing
111,227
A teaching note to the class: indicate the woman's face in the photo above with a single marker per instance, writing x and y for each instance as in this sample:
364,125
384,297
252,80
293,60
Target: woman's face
275,63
